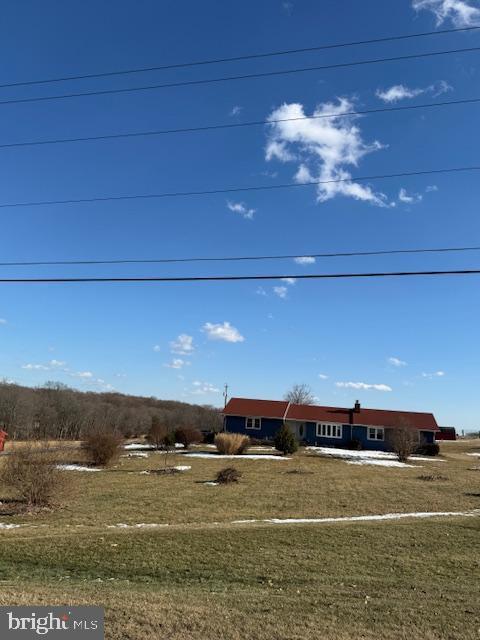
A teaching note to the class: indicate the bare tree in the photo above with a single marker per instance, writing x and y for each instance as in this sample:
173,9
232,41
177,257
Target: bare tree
300,394
403,439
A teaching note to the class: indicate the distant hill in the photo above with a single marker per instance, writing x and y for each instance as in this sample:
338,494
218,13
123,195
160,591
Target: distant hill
56,411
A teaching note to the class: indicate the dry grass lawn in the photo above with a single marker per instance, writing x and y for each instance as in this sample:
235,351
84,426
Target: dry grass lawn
373,580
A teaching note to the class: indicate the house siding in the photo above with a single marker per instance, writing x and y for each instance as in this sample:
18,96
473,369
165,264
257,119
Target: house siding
267,431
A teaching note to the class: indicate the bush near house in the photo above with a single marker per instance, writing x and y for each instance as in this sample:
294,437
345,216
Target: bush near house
403,440
188,436
231,443
428,449
354,445
102,447
285,440
32,472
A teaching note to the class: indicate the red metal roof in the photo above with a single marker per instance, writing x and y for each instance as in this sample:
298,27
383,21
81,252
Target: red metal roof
317,413
256,408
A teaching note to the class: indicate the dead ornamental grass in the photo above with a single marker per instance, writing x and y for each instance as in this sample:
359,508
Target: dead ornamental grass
231,443
102,448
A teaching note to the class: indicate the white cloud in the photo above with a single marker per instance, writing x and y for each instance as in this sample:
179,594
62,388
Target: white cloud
236,110
183,345
304,260
260,291
57,363
157,348
363,386
398,92
222,331
396,362
281,292
409,198
462,13
322,376
431,188
242,209
176,363
35,367
323,148
435,374
201,388
3,321
290,281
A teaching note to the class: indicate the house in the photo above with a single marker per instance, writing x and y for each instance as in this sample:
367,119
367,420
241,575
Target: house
446,433
325,426
3,437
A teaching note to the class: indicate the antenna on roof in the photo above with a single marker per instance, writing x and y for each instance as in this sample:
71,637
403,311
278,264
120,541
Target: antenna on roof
225,395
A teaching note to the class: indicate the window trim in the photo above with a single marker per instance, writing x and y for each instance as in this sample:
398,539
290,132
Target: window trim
253,419
377,430
338,430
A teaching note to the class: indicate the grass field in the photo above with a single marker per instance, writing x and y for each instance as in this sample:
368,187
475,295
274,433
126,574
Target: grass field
204,577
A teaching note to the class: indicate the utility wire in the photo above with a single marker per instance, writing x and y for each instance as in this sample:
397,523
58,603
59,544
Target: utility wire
248,76
316,276
251,56
270,187
345,254
235,125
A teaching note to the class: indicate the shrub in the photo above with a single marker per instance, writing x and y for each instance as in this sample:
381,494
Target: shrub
428,449
354,445
157,432
403,440
102,447
169,440
188,436
228,475
33,473
431,477
285,440
231,443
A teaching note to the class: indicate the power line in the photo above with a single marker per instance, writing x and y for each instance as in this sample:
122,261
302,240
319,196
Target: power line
344,254
270,187
316,276
248,76
235,125
250,56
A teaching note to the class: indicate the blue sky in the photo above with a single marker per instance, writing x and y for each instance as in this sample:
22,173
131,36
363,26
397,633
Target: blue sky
410,344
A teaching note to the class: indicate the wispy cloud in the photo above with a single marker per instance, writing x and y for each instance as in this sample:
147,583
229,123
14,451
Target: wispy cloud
363,386
157,348
462,13
3,321
53,364
396,362
398,92
290,281
322,376
242,209
176,363
183,345
202,388
236,110
304,260
434,374
280,291
409,198
323,149
222,331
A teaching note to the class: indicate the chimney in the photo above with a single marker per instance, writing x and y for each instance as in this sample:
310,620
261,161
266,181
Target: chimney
357,406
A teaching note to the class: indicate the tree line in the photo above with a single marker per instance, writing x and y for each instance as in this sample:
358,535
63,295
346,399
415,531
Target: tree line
56,411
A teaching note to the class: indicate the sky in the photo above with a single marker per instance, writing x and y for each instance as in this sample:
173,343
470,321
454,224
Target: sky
410,344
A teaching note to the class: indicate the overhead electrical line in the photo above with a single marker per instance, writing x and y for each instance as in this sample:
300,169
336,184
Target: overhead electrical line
248,76
235,125
251,56
270,187
342,254
316,276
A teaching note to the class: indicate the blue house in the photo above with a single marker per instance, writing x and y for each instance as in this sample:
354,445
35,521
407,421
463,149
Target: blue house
325,426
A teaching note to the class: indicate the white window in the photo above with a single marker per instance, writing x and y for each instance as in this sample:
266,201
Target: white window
328,430
375,433
253,423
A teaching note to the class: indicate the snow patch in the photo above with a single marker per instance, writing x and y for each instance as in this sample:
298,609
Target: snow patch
210,483
477,455
140,446
182,467
135,454
382,463
75,467
141,525
377,458
4,525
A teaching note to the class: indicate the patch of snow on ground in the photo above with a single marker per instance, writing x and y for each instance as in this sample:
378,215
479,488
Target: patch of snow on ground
140,446
247,456
4,525
385,516
141,525
182,467
381,463
477,455
135,454
210,483
378,458
75,467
